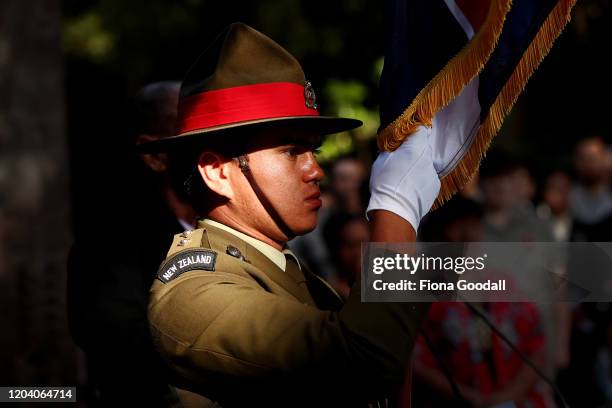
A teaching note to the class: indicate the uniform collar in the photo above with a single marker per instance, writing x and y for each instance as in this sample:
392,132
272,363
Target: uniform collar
277,257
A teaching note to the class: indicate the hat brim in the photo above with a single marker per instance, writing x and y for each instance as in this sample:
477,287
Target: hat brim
323,125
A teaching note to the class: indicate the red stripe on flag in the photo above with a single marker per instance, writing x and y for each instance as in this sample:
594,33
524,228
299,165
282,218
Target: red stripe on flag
475,11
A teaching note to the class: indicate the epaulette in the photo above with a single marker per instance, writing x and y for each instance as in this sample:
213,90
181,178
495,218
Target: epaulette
186,240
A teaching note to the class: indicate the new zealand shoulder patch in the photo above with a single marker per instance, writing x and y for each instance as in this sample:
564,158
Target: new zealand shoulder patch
197,258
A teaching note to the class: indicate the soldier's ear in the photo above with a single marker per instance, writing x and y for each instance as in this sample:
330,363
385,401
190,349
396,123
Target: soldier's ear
215,171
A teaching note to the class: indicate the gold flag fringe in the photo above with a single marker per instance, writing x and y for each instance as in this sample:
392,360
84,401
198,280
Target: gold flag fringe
533,56
450,81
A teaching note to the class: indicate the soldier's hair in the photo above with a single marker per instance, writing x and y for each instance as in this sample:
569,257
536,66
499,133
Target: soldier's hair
186,179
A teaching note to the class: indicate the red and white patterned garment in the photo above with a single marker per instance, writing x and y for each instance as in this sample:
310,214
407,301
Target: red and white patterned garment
476,356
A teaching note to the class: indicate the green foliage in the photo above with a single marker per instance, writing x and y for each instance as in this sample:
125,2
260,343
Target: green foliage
134,42
86,37
334,146
347,99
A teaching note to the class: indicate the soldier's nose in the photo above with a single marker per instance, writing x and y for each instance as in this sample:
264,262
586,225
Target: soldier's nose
313,172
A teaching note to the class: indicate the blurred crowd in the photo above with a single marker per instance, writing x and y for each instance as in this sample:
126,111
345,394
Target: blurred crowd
505,202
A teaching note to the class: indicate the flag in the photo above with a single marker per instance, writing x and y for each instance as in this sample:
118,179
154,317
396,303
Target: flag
460,65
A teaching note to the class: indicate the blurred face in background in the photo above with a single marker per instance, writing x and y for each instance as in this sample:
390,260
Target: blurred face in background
499,192
524,184
348,175
608,165
352,235
591,161
157,107
556,192
328,200
471,189
468,229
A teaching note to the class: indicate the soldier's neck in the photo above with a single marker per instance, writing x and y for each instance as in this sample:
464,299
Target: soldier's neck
180,209
239,225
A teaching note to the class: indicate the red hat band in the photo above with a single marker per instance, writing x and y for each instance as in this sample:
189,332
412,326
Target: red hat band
245,103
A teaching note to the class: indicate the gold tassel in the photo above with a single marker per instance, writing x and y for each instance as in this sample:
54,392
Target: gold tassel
450,81
533,56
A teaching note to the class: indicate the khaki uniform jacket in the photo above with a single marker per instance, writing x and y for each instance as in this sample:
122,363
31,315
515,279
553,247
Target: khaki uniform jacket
242,332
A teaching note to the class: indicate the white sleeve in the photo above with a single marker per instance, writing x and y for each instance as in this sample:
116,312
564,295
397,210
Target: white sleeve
405,181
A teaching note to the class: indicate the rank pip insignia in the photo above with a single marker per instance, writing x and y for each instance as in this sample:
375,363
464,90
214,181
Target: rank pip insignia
309,96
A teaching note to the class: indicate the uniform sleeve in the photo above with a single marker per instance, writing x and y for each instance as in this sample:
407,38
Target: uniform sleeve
211,324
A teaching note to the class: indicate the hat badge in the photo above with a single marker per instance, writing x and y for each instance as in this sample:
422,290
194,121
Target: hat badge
309,96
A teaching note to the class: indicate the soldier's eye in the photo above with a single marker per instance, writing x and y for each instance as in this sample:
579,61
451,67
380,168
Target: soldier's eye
291,151
296,150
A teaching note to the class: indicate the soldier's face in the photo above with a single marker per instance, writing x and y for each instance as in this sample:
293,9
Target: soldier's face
285,169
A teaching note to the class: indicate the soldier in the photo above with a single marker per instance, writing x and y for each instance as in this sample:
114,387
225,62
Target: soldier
234,313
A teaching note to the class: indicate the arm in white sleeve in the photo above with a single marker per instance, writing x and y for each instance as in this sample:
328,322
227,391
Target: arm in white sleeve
405,181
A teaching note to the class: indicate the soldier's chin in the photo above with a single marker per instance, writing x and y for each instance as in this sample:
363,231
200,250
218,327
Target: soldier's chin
305,226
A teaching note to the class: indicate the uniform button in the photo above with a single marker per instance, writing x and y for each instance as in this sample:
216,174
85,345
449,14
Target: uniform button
183,242
233,251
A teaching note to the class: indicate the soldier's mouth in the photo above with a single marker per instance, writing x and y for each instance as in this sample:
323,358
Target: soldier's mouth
314,200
